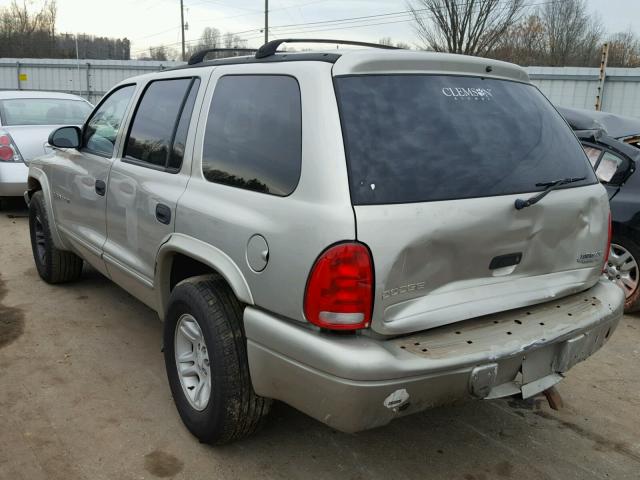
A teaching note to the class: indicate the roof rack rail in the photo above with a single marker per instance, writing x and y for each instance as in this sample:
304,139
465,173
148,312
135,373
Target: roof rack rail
271,47
199,57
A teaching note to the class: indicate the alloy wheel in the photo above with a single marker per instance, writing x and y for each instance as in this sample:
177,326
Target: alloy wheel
192,362
622,268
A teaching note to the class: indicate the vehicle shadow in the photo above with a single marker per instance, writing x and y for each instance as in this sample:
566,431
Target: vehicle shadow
13,207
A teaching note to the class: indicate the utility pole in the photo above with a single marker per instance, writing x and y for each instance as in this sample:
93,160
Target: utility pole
78,63
602,77
266,21
182,27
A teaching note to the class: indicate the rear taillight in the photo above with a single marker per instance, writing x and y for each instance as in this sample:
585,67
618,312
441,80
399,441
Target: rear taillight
8,150
608,250
339,293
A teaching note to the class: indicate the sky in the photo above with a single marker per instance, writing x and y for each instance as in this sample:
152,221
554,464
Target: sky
154,22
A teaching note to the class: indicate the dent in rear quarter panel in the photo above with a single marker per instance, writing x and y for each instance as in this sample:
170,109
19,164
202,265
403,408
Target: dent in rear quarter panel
297,228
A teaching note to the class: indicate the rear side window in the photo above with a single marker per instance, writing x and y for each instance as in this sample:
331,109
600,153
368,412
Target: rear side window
593,154
419,138
159,127
253,138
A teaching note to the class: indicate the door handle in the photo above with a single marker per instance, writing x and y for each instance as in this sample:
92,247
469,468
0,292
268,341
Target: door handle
101,188
163,214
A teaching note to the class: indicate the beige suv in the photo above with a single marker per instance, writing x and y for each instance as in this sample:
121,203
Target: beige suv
361,234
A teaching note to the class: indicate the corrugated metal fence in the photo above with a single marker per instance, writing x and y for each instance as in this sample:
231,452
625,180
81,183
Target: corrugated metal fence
88,78
566,86
576,87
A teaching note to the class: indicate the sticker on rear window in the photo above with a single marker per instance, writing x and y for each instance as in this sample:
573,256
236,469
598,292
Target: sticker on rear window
467,93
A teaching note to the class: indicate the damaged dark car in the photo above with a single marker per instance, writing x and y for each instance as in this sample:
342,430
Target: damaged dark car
612,143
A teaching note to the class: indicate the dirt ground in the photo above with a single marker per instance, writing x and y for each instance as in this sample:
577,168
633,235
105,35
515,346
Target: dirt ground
83,395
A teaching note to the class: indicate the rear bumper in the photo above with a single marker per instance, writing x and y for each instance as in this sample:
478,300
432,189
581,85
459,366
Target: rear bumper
13,179
354,383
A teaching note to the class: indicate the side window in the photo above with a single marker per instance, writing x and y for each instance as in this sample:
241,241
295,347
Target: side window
100,134
592,153
253,137
611,169
159,127
180,140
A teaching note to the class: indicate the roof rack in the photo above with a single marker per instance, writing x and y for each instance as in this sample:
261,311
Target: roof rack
271,47
199,57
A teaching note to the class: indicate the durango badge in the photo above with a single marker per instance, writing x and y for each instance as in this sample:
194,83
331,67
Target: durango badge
590,257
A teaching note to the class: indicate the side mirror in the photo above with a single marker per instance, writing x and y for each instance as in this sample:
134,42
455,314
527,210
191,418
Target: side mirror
65,137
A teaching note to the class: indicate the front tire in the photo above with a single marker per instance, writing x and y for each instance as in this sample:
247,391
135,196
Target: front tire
206,361
53,265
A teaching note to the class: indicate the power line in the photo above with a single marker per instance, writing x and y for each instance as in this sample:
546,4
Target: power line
339,28
223,4
394,17
288,32
345,23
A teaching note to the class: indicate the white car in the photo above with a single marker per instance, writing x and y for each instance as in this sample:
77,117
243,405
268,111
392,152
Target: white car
26,119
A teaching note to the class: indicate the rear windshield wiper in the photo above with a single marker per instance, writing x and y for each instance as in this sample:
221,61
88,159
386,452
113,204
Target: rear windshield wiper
520,203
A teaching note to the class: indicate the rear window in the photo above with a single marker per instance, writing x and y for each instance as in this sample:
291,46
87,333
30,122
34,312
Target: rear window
43,111
419,138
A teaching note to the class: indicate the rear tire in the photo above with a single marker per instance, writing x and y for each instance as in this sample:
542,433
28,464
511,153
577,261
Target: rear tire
204,316
623,259
53,265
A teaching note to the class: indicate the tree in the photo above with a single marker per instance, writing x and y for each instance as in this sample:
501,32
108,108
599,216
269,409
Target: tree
234,41
389,41
212,38
624,50
523,43
472,27
158,53
573,37
28,31
25,32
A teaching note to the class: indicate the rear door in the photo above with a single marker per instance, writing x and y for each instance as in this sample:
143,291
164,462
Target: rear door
147,180
80,177
435,164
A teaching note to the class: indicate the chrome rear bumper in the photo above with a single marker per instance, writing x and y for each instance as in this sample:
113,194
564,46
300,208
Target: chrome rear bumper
354,383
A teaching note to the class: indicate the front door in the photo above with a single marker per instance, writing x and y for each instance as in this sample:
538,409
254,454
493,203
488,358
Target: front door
80,178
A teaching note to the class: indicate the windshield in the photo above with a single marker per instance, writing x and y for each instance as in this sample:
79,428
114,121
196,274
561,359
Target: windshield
43,111
418,138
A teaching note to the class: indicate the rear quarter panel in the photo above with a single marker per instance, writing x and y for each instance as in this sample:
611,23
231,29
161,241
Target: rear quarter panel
298,227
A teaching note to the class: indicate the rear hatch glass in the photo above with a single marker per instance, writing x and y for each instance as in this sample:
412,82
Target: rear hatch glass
417,138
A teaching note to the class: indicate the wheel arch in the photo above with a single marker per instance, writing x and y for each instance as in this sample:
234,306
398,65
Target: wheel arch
203,258
38,181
